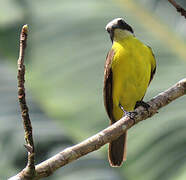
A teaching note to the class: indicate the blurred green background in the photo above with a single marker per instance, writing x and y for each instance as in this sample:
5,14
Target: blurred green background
67,46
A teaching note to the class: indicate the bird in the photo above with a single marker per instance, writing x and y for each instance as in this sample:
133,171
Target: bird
129,68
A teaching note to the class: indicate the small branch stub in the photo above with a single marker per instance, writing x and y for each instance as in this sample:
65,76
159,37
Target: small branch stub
178,8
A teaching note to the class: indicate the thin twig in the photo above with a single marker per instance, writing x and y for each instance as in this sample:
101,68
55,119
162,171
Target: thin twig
95,142
30,168
178,8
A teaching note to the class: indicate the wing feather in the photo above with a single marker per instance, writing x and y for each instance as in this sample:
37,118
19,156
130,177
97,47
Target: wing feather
107,89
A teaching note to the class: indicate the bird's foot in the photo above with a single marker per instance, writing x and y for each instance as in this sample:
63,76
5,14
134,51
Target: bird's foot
124,112
143,104
130,114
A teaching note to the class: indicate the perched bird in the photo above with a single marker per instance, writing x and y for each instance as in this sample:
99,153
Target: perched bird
129,68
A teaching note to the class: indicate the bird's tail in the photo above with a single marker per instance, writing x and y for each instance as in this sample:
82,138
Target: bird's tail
117,151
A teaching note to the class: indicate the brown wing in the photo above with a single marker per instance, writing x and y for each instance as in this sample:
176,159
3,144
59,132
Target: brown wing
117,148
107,89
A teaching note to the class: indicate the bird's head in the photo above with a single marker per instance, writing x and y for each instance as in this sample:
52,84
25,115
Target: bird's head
118,29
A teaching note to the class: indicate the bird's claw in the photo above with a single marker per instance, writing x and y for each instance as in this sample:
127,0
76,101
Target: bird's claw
130,114
143,104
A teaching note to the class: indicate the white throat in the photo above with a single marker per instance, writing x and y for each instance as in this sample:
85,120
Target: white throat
120,34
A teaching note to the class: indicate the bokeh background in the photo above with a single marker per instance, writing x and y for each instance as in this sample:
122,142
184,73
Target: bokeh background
67,46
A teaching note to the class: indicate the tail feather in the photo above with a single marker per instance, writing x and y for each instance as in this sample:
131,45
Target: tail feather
117,151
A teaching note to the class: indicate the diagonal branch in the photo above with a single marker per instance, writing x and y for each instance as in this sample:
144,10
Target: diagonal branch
112,132
178,8
30,169
107,135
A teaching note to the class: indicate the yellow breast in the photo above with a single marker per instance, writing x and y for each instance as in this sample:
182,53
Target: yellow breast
131,68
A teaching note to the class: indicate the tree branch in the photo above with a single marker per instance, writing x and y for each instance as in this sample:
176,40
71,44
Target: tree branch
112,132
30,168
178,8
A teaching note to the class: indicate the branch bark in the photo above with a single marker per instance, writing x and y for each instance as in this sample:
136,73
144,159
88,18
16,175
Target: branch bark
29,171
178,8
107,135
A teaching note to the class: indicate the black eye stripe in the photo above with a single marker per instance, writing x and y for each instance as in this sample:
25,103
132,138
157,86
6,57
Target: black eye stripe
120,22
123,25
